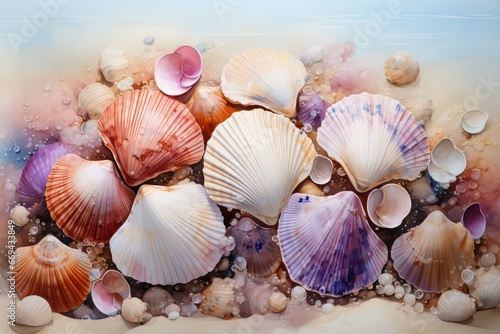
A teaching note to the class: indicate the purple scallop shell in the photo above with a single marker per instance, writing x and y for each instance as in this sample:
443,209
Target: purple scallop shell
312,109
33,180
328,245
255,244
474,220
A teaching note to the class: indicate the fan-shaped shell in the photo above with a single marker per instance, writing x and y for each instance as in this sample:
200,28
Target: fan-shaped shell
253,162
209,108
255,243
113,64
264,77
486,287
312,110
431,256
171,236
87,199
375,139
53,271
33,311
328,245
455,306
94,99
150,133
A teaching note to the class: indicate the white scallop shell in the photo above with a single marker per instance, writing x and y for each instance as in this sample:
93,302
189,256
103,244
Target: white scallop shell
94,98
254,160
389,205
474,121
401,68
171,236
486,288
455,306
33,311
264,77
375,139
313,54
113,64
447,161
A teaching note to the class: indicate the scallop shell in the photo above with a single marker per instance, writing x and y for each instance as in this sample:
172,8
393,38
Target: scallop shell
33,311
486,288
209,108
328,245
171,236
313,54
375,139
431,256
256,245
455,306
53,271
312,110
447,161
150,133
113,64
474,121
98,199
389,205
401,68
264,77
94,98
253,162
474,220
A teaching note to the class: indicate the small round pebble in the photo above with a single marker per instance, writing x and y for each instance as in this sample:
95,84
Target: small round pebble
299,294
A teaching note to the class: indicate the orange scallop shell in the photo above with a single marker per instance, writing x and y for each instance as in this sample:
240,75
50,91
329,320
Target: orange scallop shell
87,199
53,271
150,133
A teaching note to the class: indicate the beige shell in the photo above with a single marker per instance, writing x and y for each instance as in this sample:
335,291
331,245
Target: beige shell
401,68
20,215
264,77
310,188
55,272
220,299
113,64
134,310
33,311
94,99
278,301
455,306
486,288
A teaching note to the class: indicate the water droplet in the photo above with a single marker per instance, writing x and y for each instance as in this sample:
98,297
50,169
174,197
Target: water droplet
34,230
27,102
16,149
28,118
149,40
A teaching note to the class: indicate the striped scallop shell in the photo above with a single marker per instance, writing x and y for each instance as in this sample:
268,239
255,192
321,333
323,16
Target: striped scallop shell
87,199
33,311
486,288
432,255
171,236
53,271
94,99
455,306
264,77
327,244
150,133
253,162
375,139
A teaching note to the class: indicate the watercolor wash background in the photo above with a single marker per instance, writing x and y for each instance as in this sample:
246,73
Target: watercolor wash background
456,43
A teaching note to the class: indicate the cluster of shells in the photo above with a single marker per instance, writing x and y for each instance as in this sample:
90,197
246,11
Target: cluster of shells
252,232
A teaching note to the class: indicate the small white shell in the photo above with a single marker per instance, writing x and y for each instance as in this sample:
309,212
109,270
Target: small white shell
113,64
447,161
401,68
474,121
455,306
321,171
20,215
388,205
313,54
486,288
94,98
422,109
134,310
33,311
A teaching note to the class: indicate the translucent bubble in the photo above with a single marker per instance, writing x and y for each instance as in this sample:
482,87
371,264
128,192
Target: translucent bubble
410,299
28,118
34,230
418,307
148,40
433,310
298,294
197,298
240,262
389,290
419,294
240,198
112,313
327,308
475,174
174,315
308,128
341,172
487,260
318,71
467,276
16,149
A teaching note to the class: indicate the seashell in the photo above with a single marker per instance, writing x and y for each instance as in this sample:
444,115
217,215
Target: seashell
256,245
277,302
375,139
134,310
455,306
435,248
113,64
89,126
486,288
474,220
177,72
389,205
94,191
474,121
447,161
33,311
219,298
253,162
312,110
322,169
53,271
264,77
313,54
150,133
171,236
31,188
328,245
94,98
401,68
310,188
422,109
109,292
20,215
209,108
